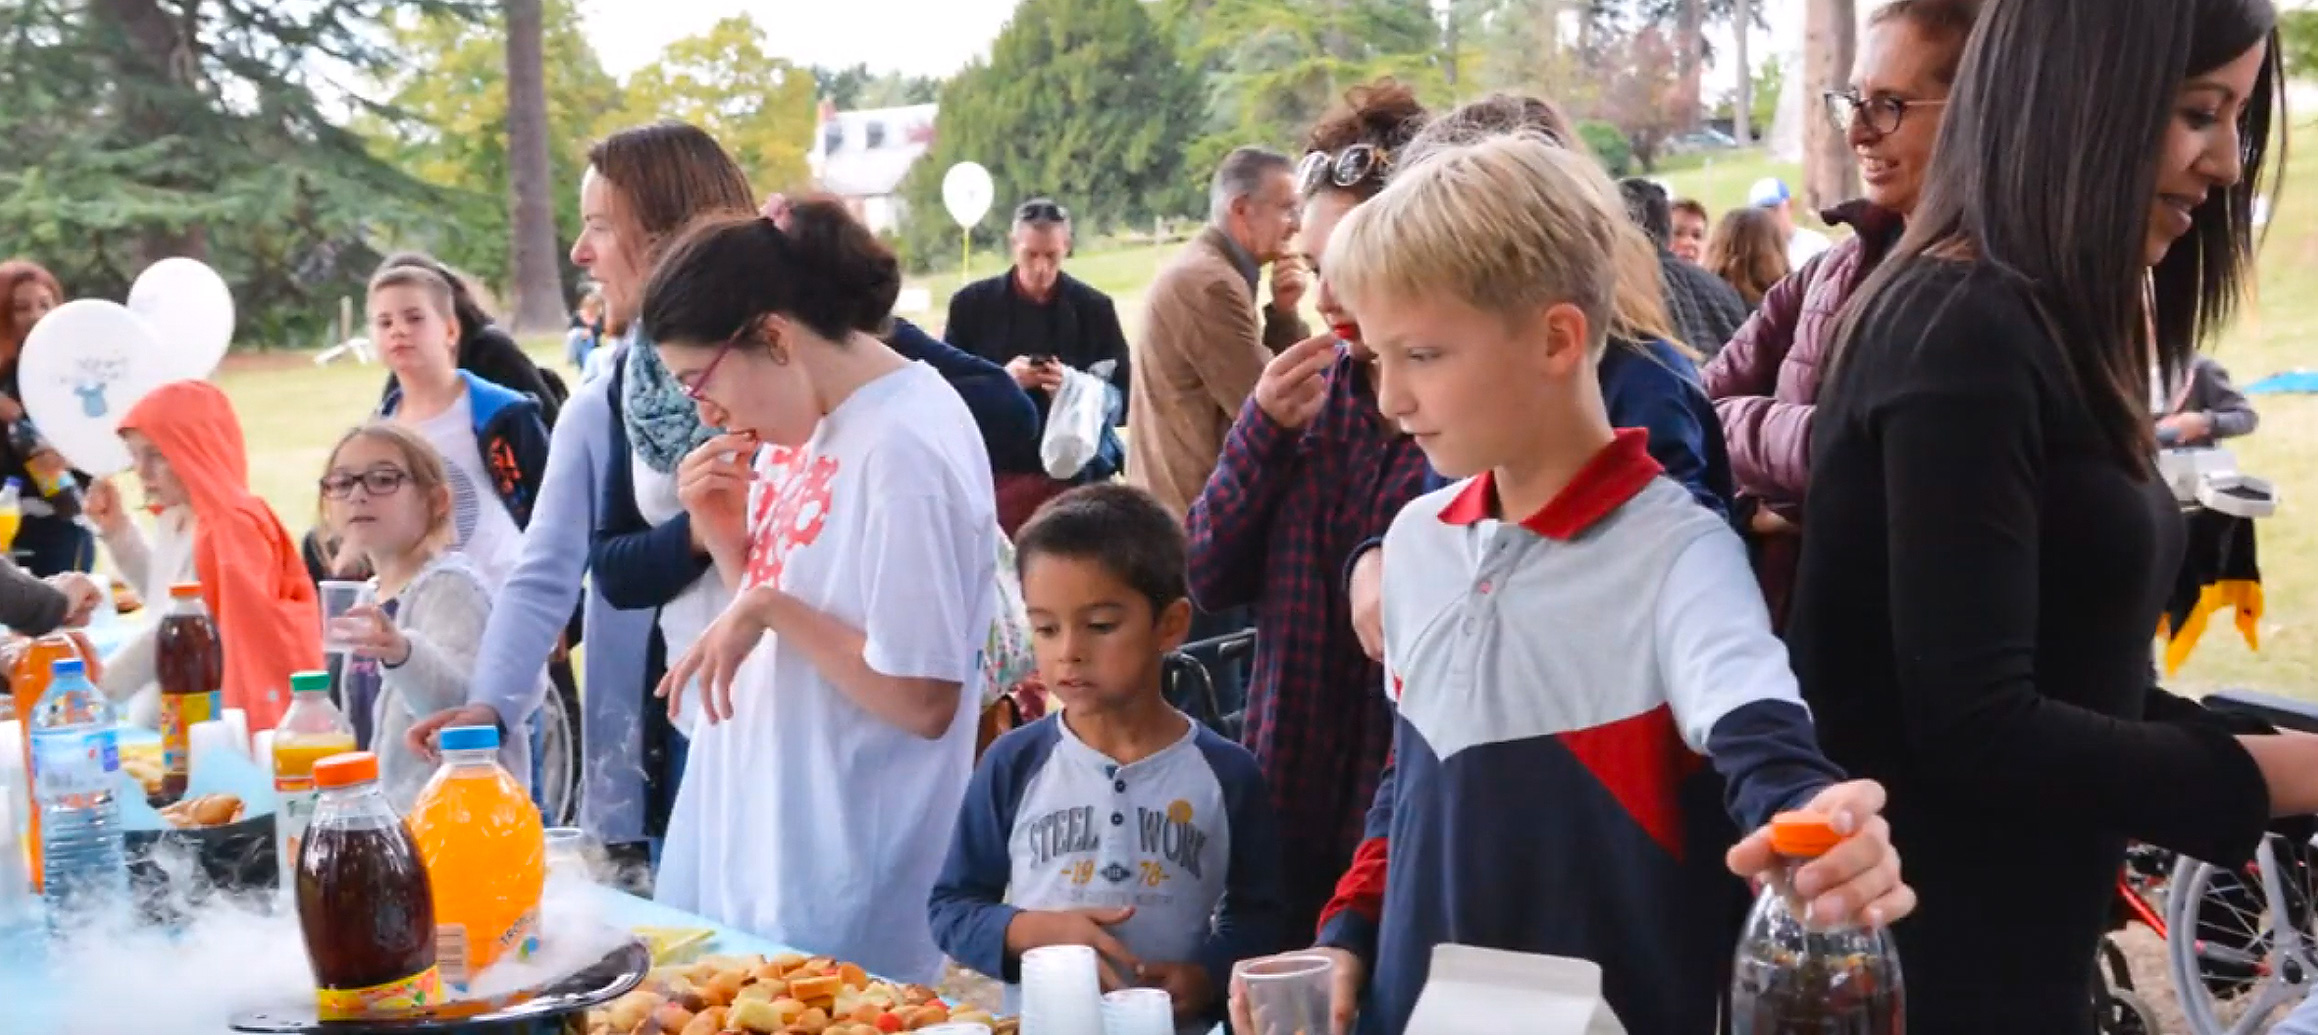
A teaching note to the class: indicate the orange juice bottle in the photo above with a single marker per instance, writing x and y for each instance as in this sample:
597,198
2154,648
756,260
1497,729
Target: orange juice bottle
486,855
28,679
312,730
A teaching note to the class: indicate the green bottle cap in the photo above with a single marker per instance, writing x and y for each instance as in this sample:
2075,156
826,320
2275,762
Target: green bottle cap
310,682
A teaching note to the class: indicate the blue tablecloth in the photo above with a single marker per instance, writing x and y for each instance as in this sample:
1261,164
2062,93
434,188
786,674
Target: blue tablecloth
33,1004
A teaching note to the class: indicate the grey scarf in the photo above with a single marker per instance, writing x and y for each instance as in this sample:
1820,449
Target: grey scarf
663,423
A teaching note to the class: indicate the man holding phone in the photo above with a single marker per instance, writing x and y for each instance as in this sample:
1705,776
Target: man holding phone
1036,320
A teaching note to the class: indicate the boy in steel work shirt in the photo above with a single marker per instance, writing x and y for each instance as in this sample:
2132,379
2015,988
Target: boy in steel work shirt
1566,632
1118,823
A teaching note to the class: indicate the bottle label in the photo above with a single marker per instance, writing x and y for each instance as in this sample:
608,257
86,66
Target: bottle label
70,762
179,714
417,992
293,813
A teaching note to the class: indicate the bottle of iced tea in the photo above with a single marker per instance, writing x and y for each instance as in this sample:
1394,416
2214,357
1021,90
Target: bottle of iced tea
312,730
191,664
1795,975
364,903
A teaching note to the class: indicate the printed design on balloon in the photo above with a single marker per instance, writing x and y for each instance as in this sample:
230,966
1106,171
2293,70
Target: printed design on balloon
787,511
92,376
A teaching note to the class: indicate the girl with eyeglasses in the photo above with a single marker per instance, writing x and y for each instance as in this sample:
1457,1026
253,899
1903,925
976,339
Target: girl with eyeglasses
388,496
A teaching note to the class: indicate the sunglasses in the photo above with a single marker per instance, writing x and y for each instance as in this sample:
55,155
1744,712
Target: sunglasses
1041,212
1347,168
383,481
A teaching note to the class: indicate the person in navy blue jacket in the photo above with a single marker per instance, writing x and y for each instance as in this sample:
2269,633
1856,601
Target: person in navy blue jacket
1006,414
1117,823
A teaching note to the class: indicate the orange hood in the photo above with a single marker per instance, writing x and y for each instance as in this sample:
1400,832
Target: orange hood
252,576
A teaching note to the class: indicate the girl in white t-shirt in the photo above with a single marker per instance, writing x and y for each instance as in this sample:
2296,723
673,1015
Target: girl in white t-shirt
840,685
492,439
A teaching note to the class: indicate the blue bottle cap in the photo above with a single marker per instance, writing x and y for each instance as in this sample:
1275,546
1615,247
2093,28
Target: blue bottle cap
469,738
73,667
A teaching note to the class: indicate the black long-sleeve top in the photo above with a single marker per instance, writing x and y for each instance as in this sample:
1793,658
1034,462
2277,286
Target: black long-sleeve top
1980,583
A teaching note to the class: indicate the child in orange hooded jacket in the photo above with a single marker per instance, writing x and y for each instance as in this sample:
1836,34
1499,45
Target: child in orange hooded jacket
189,453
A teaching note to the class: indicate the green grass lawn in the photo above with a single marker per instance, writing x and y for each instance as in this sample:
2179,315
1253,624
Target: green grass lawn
293,413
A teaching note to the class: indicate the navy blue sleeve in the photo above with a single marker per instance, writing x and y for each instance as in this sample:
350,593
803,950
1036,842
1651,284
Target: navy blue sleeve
1002,410
1659,392
1251,920
527,437
639,566
967,909
1768,755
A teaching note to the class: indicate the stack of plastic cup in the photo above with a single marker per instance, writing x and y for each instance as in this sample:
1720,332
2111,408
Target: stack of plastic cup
1139,1011
206,741
1288,995
1061,992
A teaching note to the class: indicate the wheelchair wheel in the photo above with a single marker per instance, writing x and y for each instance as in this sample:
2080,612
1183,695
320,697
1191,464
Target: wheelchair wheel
2239,942
2125,1013
556,749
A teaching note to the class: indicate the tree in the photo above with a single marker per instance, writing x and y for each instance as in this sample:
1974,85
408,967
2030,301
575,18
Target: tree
1830,31
1083,100
138,129
1644,96
760,107
2298,41
1743,109
539,297
445,119
858,87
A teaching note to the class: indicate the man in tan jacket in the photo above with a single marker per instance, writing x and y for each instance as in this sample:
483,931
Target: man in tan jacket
1204,343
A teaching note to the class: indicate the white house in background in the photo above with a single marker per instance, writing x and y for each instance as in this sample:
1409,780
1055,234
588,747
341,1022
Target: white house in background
861,156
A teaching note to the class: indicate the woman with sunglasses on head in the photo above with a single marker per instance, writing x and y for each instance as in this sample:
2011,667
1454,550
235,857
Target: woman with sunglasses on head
1309,472
861,550
1987,543
1765,381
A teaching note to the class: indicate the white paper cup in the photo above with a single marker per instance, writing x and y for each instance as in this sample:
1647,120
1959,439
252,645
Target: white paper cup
1139,1011
205,741
262,751
238,720
1062,993
1287,995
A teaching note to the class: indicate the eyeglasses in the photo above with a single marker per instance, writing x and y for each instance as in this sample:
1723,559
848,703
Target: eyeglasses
1346,168
382,481
1041,211
699,384
1881,114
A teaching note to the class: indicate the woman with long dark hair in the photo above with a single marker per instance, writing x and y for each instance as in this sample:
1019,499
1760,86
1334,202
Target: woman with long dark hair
1986,543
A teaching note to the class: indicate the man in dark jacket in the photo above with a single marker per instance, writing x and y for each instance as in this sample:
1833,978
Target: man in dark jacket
1705,310
1035,320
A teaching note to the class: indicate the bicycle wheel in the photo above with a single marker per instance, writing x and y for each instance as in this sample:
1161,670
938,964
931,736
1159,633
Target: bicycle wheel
558,751
2238,943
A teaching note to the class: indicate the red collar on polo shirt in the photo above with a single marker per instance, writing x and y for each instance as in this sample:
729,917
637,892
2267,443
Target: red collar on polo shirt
1604,484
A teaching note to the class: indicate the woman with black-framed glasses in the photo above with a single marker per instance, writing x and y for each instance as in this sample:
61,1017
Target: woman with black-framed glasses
1766,380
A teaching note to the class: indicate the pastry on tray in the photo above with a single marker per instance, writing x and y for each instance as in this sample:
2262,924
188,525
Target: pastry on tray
790,994
209,810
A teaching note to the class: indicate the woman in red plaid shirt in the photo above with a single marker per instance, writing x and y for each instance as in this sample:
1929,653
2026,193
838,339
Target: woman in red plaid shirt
1310,472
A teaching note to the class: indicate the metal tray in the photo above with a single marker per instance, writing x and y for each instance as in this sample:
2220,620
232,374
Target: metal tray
542,1009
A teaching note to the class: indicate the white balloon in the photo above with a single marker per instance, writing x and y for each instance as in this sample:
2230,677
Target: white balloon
191,308
82,368
966,192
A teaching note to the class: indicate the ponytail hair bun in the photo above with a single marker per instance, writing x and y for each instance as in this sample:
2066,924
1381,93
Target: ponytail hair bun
826,271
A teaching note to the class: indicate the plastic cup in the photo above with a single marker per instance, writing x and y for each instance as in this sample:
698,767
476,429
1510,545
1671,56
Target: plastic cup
1288,995
572,854
1062,994
339,597
262,751
1139,1011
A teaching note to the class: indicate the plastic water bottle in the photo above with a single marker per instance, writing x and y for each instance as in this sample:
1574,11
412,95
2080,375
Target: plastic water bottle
75,762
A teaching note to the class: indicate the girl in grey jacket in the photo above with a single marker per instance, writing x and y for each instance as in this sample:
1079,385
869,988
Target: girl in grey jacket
387,495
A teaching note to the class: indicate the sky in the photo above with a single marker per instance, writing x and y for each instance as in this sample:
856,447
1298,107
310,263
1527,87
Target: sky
920,37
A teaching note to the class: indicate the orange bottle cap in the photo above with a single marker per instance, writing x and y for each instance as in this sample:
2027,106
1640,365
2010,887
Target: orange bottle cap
346,770
185,589
1803,835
